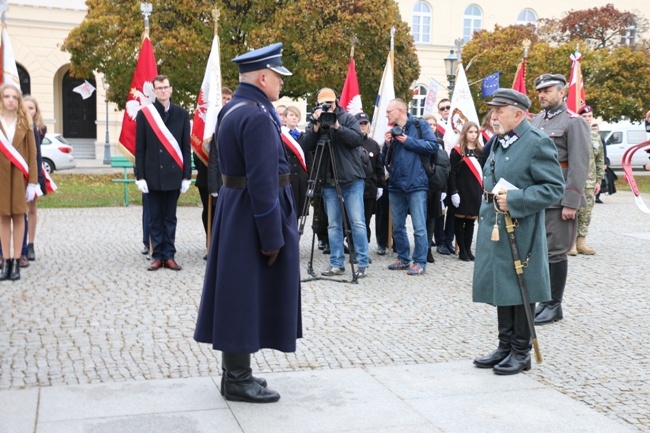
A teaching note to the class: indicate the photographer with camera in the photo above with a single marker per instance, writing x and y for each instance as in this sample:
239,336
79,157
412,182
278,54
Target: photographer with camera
408,183
335,133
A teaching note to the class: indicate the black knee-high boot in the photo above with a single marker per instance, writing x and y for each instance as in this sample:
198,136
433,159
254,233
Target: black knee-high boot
459,230
469,237
519,358
238,383
505,318
553,309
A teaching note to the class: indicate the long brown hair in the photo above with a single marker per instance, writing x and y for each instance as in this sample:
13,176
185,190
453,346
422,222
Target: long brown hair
38,117
24,119
462,140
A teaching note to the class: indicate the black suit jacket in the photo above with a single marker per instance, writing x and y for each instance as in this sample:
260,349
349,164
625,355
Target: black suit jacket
152,161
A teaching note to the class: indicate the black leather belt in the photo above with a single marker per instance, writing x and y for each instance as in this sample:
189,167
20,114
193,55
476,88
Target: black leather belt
240,181
488,197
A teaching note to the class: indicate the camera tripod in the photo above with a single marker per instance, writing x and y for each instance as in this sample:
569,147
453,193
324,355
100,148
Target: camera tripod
315,191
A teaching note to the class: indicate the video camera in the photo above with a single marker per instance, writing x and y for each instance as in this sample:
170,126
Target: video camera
396,131
326,118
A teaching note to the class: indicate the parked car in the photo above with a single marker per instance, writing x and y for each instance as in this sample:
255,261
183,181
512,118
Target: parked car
620,137
57,153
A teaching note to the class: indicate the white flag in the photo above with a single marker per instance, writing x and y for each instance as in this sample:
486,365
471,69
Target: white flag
384,96
432,97
9,72
85,89
462,109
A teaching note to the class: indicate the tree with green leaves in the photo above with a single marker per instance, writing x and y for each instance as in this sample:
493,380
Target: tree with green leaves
614,75
316,37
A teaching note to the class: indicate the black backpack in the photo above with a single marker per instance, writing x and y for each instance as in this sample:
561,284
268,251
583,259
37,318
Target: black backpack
437,166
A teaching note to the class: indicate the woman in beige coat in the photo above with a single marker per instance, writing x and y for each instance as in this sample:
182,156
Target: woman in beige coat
18,176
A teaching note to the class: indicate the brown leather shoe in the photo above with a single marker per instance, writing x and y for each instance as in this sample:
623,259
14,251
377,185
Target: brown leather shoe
155,265
171,264
23,263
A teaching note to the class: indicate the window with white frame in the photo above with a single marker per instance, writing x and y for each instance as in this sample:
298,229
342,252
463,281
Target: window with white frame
527,16
416,107
421,28
472,21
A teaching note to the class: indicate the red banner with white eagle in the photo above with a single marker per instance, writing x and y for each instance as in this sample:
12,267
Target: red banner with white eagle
576,94
351,95
141,93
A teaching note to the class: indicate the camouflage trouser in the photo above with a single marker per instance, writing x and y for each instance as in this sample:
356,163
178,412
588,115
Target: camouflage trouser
584,213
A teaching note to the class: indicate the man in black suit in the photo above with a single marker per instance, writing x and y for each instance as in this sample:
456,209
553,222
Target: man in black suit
163,168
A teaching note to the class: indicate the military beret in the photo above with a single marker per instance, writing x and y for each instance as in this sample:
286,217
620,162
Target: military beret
548,80
269,57
502,97
585,109
362,117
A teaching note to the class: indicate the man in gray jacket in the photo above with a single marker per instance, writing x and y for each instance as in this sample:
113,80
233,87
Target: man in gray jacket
572,138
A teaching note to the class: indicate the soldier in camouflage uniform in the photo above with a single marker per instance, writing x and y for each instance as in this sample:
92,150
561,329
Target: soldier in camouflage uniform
573,140
592,188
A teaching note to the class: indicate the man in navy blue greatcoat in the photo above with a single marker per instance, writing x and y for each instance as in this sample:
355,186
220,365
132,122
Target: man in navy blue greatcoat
251,292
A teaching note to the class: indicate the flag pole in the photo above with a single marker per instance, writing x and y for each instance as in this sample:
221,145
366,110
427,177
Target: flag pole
4,7
146,9
392,66
215,16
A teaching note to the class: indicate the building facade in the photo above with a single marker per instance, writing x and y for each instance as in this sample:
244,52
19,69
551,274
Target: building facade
38,28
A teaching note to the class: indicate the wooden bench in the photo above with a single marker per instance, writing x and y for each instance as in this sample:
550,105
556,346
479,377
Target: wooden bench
127,166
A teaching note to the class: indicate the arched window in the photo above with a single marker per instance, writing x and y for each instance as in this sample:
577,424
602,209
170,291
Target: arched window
421,28
472,21
527,16
416,107
25,80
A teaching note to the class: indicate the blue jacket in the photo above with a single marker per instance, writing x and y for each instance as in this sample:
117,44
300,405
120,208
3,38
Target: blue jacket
407,174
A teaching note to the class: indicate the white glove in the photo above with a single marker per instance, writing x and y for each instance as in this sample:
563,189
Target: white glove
455,200
30,192
39,191
443,196
142,186
380,192
214,194
185,185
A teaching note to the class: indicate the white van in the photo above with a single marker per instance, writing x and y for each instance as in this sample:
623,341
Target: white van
620,136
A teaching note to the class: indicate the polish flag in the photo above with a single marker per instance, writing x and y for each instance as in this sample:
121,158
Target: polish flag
576,95
141,94
208,105
351,95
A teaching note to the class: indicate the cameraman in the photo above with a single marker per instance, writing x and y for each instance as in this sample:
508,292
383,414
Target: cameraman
339,133
408,183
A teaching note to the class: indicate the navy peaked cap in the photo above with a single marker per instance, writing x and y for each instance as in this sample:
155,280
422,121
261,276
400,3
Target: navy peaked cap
269,57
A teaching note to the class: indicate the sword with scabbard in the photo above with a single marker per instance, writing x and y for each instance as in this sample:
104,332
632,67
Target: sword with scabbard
519,270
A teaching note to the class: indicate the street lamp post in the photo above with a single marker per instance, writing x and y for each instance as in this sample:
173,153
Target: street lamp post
107,143
450,67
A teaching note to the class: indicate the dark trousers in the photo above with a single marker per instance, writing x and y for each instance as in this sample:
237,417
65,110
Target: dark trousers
145,220
381,220
444,230
162,223
369,205
319,222
205,200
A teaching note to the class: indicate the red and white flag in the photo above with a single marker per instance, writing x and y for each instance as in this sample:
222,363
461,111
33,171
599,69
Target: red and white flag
386,93
576,97
85,89
351,95
141,94
208,105
462,109
50,186
9,70
519,83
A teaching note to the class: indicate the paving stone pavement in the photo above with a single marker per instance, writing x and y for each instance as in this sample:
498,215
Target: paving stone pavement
88,311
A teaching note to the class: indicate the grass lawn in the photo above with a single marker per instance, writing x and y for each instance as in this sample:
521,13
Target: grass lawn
97,190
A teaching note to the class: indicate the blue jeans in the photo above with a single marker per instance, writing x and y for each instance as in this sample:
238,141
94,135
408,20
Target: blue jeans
353,200
400,203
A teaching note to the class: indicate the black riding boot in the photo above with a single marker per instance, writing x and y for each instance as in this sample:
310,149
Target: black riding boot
553,310
259,380
14,274
238,383
469,237
519,358
506,331
459,231
6,269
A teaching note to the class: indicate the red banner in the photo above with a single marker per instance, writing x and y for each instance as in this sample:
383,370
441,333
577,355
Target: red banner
350,99
141,94
576,95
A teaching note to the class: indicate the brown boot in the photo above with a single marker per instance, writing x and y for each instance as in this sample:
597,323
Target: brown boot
581,246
